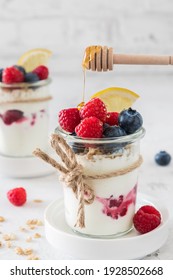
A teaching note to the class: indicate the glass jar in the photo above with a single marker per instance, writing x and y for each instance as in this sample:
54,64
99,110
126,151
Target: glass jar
24,118
111,213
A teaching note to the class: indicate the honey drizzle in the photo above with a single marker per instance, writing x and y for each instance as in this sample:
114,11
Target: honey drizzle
89,55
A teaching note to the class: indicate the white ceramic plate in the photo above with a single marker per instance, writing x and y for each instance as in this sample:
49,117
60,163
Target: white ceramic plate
129,246
24,167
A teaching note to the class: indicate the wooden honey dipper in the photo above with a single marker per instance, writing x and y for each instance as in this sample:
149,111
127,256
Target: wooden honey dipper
98,58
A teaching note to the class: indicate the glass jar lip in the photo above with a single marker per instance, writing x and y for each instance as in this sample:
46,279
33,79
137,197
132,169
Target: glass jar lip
26,85
128,138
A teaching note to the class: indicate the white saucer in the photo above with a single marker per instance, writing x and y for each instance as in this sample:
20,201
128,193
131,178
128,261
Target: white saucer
130,246
24,167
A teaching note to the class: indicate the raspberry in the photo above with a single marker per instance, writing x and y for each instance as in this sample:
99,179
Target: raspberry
17,196
112,118
42,72
69,119
146,219
90,127
11,116
12,75
94,108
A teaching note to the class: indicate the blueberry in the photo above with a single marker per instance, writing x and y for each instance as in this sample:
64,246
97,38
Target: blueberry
109,132
1,71
162,158
113,131
31,77
130,120
21,69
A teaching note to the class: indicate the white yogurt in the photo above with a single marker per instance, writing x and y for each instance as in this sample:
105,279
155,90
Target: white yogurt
22,137
113,208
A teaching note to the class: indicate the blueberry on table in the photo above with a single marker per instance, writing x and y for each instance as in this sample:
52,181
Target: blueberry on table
162,158
130,120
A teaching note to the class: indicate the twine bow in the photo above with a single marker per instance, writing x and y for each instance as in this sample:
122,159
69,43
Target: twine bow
71,173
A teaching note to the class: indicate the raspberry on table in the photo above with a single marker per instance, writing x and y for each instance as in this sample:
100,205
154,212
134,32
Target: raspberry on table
146,219
90,127
12,75
69,119
94,108
42,72
17,196
112,118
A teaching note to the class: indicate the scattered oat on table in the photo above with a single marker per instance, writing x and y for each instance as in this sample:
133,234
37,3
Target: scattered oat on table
31,227
29,239
28,251
23,252
33,257
8,237
2,219
31,222
37,235
37,200
19,251
22,228
8,244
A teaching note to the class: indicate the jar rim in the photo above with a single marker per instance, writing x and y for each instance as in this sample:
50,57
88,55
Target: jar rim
26,85
127,138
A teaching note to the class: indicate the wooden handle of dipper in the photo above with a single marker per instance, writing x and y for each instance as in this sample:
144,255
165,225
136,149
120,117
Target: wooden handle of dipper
104,59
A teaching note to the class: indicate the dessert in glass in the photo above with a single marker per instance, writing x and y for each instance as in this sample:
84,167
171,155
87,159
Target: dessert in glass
24,117
107,146
100,158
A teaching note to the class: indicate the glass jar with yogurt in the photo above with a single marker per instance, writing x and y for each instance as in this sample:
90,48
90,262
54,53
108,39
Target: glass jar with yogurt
24,118
111,213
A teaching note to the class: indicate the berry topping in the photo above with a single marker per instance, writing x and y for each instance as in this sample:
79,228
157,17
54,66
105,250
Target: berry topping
69,119
112,118
12,116
90,127
20,68
130,120
31,77
17,196
113,131
162,158
146,219
12,75
94,108
42,72
1,71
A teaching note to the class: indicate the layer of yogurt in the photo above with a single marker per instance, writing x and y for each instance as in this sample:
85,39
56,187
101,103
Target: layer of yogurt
113,208
20,138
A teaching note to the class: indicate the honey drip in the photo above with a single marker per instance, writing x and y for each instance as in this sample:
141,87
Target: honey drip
89,55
